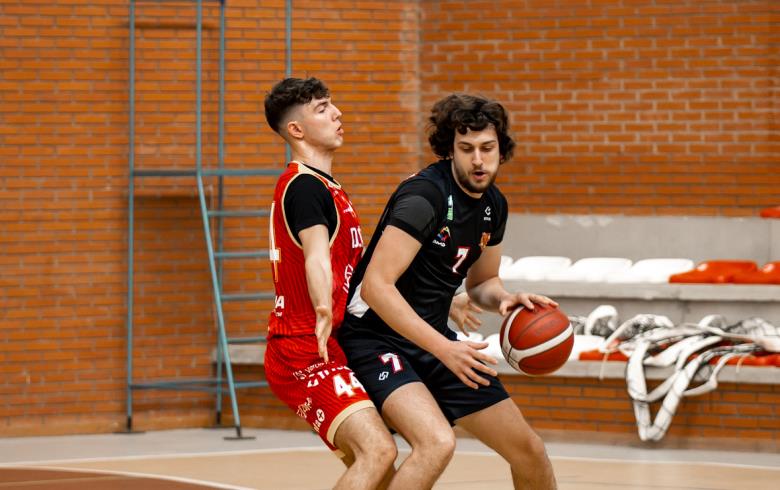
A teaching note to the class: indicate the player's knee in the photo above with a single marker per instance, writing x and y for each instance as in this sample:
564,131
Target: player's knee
531,448
440,446
385,452
536,446
446,446
378,448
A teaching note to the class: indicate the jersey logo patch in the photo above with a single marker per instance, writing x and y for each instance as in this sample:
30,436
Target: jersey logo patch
442,237
484,241
487,214
303,408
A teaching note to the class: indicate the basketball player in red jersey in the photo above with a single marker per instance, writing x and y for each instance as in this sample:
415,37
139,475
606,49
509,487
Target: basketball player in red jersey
315,245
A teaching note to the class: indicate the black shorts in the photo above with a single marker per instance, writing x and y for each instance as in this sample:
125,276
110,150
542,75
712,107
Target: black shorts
385,363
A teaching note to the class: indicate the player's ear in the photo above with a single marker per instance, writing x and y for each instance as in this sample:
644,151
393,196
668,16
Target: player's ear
294,129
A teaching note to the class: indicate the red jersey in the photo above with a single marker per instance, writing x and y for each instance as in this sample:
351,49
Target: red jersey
293,313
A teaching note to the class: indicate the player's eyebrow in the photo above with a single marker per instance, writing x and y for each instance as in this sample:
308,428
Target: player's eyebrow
483,143
321,103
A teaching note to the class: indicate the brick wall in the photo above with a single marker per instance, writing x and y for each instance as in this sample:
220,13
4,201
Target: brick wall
620,106
636,107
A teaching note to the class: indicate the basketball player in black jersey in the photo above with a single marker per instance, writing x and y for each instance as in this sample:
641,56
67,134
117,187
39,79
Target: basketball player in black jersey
441,226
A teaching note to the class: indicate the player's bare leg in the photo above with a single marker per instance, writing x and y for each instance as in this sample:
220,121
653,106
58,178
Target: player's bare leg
369,451
349,460
503,428
412,411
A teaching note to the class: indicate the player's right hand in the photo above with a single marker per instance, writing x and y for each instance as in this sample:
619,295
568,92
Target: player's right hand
463,357
322,329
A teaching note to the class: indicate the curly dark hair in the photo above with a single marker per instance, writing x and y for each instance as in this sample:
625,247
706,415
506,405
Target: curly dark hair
289,93
461,112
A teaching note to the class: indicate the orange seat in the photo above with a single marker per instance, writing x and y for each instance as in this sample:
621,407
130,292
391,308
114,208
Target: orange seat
714,271
596,355
769,274
773,212
752,360
762,359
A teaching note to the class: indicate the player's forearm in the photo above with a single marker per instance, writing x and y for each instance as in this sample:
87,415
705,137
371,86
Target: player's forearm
319,279
488,294
387,302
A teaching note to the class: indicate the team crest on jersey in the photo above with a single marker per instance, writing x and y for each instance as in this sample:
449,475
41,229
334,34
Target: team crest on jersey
484,241
442,237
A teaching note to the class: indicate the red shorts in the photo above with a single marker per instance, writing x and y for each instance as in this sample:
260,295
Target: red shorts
322,394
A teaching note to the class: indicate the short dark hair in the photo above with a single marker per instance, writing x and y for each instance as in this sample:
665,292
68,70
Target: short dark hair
461,112
289,93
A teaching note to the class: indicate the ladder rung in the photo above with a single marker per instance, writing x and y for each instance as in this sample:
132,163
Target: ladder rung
241,171
245,340
241,255
171,382
178,384
246,296
250,384
164,172
209,385
189,172
241,212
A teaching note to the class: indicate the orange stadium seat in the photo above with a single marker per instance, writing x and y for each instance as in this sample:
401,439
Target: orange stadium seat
752,360
769,274
596,355
714,271
773,212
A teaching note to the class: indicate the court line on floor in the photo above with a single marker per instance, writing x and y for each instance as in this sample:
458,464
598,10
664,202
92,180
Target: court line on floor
153,476
135,457
324,450
659,461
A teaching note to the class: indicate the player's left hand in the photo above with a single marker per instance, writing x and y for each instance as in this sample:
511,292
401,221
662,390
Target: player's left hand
462,312
322,329
526,299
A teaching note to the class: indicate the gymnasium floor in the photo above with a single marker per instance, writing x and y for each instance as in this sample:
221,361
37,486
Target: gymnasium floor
287,460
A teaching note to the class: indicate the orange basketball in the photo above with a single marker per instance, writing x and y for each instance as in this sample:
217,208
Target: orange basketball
538,341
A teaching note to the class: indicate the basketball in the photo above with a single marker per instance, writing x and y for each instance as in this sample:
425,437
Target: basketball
536,342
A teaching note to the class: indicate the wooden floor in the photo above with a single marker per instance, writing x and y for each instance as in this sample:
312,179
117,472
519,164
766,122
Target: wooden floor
42,479
306,466
317,469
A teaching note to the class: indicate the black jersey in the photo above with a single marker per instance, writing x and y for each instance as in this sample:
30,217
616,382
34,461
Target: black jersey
453,229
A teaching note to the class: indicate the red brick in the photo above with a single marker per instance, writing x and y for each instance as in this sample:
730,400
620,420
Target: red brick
629,90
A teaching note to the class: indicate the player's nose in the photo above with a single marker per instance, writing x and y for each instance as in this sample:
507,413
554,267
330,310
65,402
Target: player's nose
476,159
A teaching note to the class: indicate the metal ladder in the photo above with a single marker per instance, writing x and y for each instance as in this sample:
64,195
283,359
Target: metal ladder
216,258
216,254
